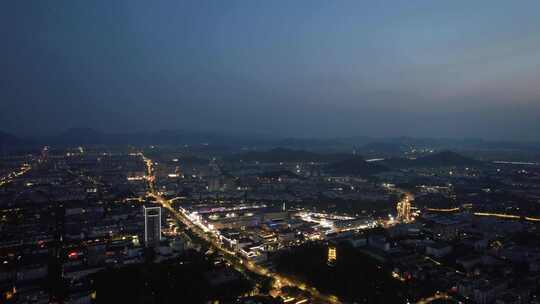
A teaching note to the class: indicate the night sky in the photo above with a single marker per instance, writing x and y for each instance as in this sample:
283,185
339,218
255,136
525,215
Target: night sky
287,68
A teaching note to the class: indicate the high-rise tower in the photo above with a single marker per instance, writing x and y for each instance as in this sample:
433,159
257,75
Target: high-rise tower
152,226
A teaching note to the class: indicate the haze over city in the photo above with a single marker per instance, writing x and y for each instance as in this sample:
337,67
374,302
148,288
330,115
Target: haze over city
293,69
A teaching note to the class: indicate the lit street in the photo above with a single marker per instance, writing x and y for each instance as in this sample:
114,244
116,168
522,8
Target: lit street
239,264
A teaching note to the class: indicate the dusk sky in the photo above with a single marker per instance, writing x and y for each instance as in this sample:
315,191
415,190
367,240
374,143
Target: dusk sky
288,68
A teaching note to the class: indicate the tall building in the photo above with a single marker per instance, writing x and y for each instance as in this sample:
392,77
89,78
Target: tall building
44,154
152,226
214,183
404,210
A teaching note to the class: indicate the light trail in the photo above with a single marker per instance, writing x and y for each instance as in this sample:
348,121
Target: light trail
508,216
514,163
437,296
374,160
498,215
442,209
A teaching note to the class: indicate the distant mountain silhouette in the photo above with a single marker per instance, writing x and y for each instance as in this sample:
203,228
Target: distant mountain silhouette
341,164
218,141
441,159
381,148
88,136
277,155
355,166
287,156
446,158
8,140
81,136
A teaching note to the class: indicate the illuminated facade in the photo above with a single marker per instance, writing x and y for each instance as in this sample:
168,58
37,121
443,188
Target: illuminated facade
152,226
404,210
332,256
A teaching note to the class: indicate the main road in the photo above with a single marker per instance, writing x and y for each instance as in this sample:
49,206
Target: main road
242,265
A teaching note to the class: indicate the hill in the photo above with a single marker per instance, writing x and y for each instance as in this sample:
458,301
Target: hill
381,149
89,136
435,160
446,159
355,166
286,155
9,141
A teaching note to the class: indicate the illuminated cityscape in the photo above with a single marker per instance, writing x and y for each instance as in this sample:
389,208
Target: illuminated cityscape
259,233
270,152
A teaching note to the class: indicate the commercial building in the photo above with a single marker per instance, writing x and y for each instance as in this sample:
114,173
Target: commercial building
152,226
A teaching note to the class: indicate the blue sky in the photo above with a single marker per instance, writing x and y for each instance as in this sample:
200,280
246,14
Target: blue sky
291,68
